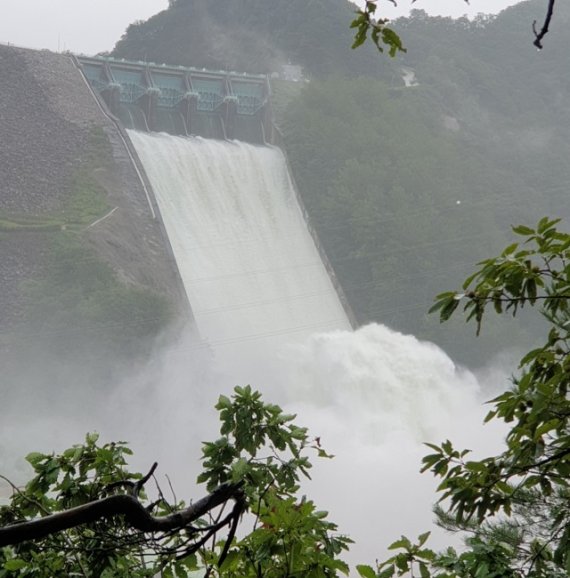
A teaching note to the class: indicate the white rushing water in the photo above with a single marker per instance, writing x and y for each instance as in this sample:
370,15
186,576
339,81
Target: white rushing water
249,265
264,302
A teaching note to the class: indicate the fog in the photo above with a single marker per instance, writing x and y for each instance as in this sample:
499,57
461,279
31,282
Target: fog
372,396
266,314
258,290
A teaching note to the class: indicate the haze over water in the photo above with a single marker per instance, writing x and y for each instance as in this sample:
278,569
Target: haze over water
265,305
268,315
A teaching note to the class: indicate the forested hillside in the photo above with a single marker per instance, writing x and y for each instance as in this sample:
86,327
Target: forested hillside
412,168
251,36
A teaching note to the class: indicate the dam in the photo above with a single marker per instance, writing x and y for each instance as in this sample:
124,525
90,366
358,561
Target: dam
197,205
216,224
251,268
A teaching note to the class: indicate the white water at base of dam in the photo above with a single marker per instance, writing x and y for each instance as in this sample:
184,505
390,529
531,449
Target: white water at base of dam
263,302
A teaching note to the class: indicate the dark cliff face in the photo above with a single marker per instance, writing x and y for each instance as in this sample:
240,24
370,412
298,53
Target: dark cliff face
66,174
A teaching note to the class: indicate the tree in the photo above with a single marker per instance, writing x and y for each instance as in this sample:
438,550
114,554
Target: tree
85,514
515,504
382,36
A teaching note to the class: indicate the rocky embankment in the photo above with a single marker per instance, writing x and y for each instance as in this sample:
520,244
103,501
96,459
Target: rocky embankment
48,119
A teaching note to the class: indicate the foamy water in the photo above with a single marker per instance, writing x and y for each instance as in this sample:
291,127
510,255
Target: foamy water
248,263
263,300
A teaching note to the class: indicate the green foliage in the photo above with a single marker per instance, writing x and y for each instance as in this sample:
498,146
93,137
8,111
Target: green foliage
87,199
380,180
80,474
260,448
516,503
255,36
520,275
79,305
380,34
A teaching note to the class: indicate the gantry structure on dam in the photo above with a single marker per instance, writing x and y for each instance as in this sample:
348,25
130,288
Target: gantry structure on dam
182,101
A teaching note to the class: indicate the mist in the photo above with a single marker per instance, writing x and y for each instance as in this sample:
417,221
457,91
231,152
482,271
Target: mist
419,199
259,294
373,396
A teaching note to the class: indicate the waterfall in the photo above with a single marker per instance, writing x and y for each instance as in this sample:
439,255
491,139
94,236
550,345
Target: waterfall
248,263
263,300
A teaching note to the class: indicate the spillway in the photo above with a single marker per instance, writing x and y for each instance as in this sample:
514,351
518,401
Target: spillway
247,260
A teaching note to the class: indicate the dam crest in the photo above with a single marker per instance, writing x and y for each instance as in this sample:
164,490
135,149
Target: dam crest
182,101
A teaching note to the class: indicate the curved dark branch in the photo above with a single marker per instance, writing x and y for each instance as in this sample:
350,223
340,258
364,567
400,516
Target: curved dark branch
134,487
239,508
140,484
538,36
136,516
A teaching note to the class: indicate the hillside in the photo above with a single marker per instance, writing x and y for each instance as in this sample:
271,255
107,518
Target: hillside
86,278
408,186
251,36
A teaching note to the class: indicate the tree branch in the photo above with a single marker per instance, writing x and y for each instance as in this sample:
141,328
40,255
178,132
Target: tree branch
538,36
134,512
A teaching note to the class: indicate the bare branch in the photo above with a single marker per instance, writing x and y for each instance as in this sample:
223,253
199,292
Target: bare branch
134,512
237,511
538,36
140,484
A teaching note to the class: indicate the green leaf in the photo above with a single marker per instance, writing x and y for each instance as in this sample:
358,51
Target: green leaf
403,542
366,571
34,458
510,249
523,230
91,438
224,402
546,427
15,564
422,538
475,467
387,572
424,571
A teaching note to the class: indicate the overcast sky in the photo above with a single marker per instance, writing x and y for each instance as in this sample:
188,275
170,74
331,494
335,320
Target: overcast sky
91,26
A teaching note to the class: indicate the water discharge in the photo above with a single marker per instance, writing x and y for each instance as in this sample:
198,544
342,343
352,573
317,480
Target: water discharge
249,265
263,301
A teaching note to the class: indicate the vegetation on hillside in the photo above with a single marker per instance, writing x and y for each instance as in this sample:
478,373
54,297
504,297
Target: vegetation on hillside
407,185
252,36
513,507
76,310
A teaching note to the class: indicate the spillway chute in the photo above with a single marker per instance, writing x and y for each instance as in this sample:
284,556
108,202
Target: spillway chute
248,262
